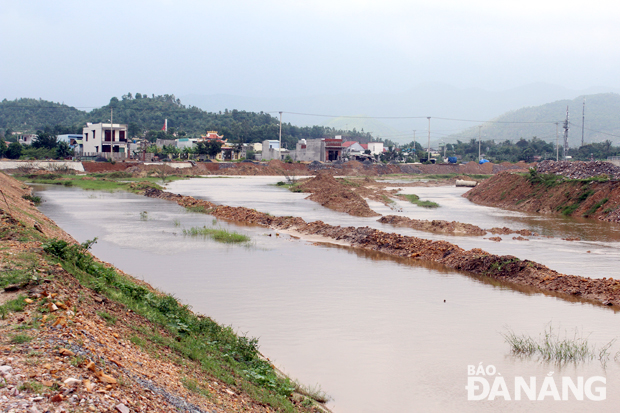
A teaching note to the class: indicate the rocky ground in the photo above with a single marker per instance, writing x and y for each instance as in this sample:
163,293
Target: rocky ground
70,342
508,269
579,170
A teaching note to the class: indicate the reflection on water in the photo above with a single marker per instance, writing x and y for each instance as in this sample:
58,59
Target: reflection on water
380,334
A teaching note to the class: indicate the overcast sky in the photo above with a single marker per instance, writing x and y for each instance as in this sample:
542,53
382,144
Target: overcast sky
84,52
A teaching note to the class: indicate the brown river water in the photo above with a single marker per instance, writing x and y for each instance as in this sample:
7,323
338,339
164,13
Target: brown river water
373,331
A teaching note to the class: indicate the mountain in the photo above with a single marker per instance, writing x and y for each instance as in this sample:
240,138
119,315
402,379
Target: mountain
601,122
452,109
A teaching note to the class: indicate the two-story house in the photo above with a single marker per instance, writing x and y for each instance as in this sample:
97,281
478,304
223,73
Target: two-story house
105,139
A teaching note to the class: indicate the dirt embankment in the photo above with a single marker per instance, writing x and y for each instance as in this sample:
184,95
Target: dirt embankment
351,168
436,225
66,347
506,268
344,195
550,194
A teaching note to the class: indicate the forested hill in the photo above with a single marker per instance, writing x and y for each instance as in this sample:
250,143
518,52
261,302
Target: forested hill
143,114
602,122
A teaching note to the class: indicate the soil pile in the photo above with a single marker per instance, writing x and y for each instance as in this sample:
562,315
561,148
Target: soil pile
579,170
506,268
332,194
436,225
550,194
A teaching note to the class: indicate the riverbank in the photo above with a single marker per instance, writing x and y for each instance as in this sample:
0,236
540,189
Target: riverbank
507,269
555,190
80,335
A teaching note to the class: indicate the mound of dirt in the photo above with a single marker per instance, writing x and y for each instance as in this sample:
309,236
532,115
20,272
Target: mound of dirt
437,225
332,194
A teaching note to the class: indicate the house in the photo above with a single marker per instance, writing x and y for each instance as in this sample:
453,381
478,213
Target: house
27,139
322,150
353,148
376,148
73,140
271,150
105,140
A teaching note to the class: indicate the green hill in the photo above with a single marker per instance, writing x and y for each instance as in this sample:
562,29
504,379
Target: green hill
601,122
142,113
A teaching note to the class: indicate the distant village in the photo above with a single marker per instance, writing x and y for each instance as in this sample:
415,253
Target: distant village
111,141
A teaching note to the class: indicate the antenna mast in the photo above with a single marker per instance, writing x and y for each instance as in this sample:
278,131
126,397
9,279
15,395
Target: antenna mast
566,134
583,120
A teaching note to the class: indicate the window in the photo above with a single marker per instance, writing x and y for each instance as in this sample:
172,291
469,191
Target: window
121,135
86,136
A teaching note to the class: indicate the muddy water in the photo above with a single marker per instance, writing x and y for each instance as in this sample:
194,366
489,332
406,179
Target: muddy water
374,332
596,255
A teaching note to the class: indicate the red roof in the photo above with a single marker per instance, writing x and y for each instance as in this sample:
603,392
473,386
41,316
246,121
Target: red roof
348,143
364,145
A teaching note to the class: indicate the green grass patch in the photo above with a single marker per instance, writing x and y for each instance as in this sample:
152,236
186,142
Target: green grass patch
35,199
386,199
595,207
194,387
414,199
552,346
217,234
198,209
12,306
110,319
20,338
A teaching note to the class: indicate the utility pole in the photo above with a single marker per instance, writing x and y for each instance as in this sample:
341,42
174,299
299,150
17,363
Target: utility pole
111,132
583,120
557,142
566,134
428,156
280,148
479,144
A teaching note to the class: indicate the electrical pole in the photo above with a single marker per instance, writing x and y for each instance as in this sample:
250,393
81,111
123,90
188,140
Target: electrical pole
479,129
583,120
280,148
566,134
111,132
428,156
557,142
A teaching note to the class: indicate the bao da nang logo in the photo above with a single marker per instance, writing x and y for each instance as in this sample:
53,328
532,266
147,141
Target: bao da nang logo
485,383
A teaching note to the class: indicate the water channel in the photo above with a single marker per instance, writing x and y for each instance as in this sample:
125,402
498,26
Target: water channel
374,331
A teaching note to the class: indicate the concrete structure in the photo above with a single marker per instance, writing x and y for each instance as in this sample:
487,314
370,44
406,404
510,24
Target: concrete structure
183,143
105,140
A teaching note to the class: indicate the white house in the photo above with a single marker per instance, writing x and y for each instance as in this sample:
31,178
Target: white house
105,139
376,148
27,139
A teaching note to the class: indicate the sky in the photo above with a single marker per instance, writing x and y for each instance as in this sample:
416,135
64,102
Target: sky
84,52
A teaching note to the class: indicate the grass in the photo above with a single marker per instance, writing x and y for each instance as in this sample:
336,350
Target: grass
35,199
110,319
314,392
551,346
20,338
217,234
12,306
144,216
595,207
386,199
414,199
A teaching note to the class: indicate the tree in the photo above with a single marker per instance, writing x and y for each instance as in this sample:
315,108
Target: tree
3,148
63,150
14,151
45,140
